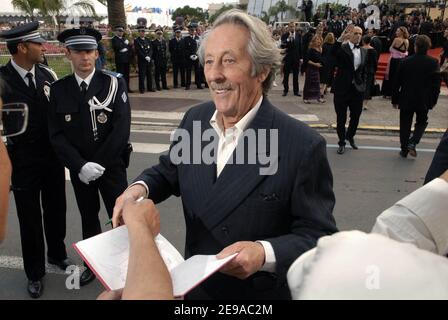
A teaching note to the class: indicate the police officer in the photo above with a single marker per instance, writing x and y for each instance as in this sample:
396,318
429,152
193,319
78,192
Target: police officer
122,49
191,59
159,48
177,58
38,177
89,125
143,48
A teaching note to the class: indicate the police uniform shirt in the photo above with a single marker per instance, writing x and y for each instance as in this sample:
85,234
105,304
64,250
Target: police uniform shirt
86,80
23,73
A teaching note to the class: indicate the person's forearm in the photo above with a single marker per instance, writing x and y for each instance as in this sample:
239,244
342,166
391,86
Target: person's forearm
148,277
5,176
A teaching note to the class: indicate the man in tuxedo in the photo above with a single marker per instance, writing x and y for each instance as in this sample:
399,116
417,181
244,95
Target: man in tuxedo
415,91
269,218
38,179
292,43
349,84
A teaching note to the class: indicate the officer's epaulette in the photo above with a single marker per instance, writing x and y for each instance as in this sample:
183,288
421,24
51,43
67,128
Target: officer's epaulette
113,74
53,74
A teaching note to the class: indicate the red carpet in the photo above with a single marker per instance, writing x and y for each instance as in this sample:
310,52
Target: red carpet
384,59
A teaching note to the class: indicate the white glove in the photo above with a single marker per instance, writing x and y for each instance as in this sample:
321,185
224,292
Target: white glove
148,59
126,42
90,171
124,50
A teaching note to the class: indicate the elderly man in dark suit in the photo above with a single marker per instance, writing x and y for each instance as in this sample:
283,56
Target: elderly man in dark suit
349,84
269,217
415,91
291,41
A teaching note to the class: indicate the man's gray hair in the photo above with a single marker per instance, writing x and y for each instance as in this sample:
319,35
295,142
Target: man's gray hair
261,46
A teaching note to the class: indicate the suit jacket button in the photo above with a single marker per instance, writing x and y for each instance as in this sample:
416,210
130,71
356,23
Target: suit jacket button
225,229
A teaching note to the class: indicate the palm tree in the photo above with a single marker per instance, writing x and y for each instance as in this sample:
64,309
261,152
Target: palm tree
27,6
273,12
283,8
57,7
115,12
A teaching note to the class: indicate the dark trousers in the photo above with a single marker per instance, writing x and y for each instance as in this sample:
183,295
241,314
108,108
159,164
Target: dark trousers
421,123
34,204
111,185
439,163
352,101
178,68
144,72
160,75
287,69
190,65
123,68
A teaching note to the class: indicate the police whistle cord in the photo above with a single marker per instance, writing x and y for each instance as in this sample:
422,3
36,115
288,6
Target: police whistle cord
95,104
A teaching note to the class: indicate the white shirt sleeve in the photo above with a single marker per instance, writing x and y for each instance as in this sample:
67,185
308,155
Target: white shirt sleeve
420,218
142,183
269,261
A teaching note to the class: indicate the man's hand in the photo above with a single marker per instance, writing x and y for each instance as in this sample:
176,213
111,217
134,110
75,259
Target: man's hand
126,42
141,214
444,176
135,192
110,295
250,259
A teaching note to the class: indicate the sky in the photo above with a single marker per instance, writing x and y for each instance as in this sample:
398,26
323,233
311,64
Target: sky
173,4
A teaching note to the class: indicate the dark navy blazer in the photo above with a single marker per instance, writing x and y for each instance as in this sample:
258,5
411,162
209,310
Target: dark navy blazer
291,209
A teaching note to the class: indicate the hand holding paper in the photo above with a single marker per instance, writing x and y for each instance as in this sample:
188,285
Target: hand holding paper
250,259
133,192
141,214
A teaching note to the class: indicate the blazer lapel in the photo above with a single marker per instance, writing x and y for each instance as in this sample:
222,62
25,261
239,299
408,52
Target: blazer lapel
203,174
346,49
363,57
236,181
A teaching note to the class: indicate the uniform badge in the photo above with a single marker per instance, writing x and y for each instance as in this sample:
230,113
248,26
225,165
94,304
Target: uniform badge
124,97
68,118
47,90
102,118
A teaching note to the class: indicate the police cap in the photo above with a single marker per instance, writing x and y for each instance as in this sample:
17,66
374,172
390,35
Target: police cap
80,38
23,33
